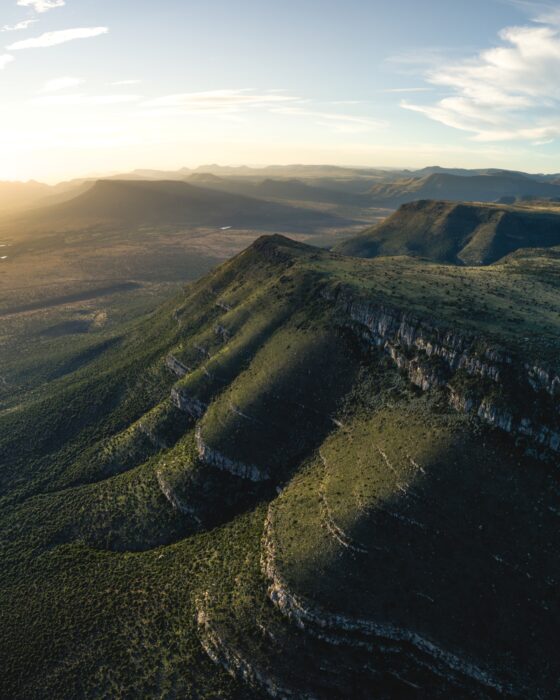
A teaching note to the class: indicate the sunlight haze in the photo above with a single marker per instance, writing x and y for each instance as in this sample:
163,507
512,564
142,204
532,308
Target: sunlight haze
91,86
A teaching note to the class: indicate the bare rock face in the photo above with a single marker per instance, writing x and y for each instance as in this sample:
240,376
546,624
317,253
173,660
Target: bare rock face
218,460
338,629
176,366
187,404
436,357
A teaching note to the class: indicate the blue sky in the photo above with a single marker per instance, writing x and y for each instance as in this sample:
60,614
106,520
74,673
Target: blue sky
98,86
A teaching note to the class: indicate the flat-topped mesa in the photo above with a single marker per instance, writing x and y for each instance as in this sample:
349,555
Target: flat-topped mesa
437,357
187,404
216,459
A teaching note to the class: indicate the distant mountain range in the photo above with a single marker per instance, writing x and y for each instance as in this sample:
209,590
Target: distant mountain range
474,188
161,203
459,233
360,187
292,189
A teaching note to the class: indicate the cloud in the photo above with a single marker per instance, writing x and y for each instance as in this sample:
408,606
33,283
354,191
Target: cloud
543,12
230,103
19,26
61,84
41,5
510,91
80,100
59,37
5,59
411,89
220,101
342,123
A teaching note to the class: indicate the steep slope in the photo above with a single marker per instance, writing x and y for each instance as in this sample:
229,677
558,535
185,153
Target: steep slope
306,476
168,203
476,188
470,234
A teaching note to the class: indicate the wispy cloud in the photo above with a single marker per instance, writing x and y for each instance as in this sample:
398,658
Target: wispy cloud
231,104
25,24
220,100
507,92
410,89
61,84
80,100
59,37
41,5
539,11
342,123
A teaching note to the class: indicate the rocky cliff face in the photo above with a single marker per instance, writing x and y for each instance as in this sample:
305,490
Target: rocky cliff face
338,629
187,404
436,357
218,460
176,366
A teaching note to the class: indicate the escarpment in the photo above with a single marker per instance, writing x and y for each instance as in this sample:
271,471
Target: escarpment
176,366
480,378
187,404
362,634
218,460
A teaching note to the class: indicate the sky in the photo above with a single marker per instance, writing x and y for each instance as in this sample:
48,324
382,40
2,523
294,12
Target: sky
93,87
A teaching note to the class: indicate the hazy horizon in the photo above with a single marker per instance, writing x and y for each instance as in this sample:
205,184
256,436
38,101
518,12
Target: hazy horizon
91,87
262,166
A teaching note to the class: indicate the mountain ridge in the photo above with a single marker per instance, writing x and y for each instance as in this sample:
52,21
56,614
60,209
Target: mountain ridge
168,202
458,232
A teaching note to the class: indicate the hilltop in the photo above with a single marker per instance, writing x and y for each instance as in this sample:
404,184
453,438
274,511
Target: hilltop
261,487
460,233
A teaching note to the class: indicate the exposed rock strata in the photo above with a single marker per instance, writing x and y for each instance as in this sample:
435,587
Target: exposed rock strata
176,366
432,357
187,404
234,662
334,530
337,629
174,500
218,460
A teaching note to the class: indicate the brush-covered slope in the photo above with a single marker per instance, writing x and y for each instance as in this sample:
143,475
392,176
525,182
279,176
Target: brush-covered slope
476,188
308,476
469,234
169,203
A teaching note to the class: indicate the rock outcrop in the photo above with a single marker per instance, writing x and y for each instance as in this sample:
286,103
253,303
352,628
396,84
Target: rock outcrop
187,404
176,366
367,634
436,357
234,662
216,459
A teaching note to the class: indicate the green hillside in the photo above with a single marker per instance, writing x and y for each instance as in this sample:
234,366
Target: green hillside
487,187
469,234
308,475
